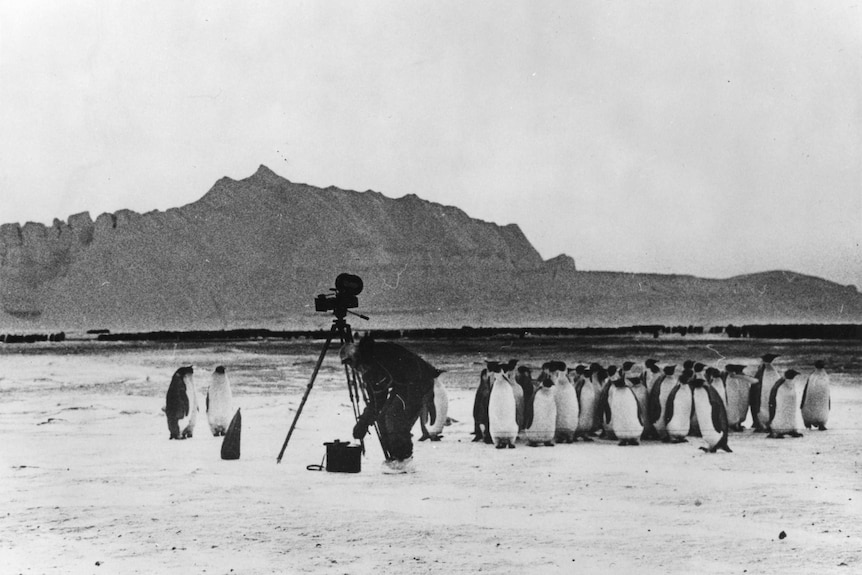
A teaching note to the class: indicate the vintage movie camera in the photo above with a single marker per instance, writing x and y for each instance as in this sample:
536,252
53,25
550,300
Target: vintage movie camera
347,288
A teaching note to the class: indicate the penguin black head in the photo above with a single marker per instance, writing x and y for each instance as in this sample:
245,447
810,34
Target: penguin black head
219,369
184,371
669,369
635,381
511,365
769,357
687,374
734,368
687,364
819,364
494,366
712,372
611,370
698,367
651,364
595,367
548,382
696,382
580,369
790,374
628,365
621,382
601,374
557,366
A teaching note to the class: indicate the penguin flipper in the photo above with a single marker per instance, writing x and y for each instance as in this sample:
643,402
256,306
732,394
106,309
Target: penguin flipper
654,401
804,393
719,412
430,407
668,411
528,412
638,405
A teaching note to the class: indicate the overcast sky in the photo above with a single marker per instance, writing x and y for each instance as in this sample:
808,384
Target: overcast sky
704,138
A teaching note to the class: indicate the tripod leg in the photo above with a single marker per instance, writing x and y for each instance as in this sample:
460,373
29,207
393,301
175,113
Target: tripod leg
305,396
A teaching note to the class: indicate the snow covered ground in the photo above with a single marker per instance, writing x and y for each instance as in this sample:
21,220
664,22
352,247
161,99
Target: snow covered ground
90,483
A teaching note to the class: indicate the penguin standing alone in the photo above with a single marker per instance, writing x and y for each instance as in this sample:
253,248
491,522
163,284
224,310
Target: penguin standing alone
219,402
711,414
783,408
816,400
181,404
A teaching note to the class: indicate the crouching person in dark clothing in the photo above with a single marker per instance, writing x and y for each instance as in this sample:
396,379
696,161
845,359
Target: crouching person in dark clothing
397,382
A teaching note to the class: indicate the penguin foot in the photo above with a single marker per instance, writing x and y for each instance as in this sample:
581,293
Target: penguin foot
511,446
424,437
501,446
477,438
760,430
706,450
775,436
821,427
794,434
588,439
533,444
436,437
549,443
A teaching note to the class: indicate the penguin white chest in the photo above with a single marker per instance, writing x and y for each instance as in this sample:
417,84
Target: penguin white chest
680,422
703,409
501,410
624,413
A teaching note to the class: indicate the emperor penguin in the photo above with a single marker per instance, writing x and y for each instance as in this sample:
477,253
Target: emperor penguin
658,400
517,391
588,389
181,403
711,414
766,377
783,407
816,400
540,417
435,411
567,403
624,412
713,378
501,410
638,387
219,402
677,415
480,404
524,378
737,386
698,373
611,376
651,374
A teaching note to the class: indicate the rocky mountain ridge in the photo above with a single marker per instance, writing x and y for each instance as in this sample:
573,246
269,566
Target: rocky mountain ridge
255,252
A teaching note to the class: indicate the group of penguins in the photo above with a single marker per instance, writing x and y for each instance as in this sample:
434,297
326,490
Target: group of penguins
564,404
181,409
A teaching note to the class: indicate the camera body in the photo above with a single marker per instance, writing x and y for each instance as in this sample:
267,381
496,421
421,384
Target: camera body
347,288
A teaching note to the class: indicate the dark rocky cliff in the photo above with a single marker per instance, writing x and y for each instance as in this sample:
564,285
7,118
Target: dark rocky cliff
255,252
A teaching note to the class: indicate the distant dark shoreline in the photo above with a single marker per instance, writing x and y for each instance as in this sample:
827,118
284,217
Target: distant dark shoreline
765,331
